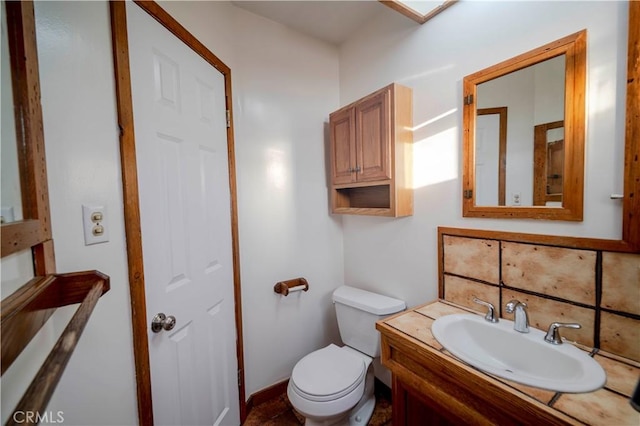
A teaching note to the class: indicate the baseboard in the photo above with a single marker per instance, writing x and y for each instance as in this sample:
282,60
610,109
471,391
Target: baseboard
267,394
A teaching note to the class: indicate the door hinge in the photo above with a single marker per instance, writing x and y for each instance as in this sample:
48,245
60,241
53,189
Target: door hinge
468,100
228,119
239,378
468,193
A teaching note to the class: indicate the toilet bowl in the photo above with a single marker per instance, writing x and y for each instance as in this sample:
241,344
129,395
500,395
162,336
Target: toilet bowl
329,383
334,385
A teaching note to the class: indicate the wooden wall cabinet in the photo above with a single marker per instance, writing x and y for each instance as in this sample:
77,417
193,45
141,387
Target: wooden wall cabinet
371,154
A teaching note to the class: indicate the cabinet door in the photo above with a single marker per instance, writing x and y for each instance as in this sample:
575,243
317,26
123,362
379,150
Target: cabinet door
373,137
343,146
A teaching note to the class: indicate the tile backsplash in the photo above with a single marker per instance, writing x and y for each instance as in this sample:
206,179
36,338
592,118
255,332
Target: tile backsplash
598,289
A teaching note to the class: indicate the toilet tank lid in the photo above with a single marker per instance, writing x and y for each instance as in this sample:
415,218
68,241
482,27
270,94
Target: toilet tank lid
367,301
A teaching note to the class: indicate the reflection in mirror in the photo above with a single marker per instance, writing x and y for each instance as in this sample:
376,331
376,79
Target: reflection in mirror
548,154
524,134
532,95
10,199
491,156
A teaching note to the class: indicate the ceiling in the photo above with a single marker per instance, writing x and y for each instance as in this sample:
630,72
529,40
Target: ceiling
331,21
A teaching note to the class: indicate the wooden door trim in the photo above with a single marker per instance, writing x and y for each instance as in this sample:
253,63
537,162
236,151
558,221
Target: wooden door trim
540,172
131,196
631,200
501,112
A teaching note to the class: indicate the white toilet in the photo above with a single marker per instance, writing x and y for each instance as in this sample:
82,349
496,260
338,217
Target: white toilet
334,385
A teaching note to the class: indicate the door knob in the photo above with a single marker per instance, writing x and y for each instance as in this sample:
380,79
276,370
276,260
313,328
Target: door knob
161,321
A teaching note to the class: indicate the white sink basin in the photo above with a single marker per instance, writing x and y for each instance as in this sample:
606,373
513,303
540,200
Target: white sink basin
496,348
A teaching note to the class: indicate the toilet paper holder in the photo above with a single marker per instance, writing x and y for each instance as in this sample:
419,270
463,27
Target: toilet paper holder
291,286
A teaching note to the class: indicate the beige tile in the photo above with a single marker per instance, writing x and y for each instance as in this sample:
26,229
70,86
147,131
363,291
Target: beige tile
601,407
543,312
620,335
417,326
472,257
621,282
621,377
437,310
619,358
461,292
561,272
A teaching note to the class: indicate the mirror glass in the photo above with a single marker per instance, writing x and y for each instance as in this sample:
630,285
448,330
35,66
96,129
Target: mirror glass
524,134
526,98
10,195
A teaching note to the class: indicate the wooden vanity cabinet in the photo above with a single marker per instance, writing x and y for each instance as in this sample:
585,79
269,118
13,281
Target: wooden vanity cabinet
371,154
430,388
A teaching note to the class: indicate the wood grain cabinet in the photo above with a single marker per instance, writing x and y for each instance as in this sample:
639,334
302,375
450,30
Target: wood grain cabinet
431,387
371,154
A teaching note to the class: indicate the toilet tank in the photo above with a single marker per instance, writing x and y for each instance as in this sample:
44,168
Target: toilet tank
357,312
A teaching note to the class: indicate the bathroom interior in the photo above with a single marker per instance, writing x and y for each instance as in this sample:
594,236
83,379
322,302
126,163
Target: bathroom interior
435,234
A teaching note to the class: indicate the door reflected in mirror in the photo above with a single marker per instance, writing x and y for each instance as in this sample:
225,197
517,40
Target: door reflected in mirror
548,154
524,135
491,156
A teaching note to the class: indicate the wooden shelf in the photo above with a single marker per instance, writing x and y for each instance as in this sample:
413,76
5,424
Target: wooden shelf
25,311
369,197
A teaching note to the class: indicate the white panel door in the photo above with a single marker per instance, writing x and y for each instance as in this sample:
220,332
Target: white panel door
183,177
487,155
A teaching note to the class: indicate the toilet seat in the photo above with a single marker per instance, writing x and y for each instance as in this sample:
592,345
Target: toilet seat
328,374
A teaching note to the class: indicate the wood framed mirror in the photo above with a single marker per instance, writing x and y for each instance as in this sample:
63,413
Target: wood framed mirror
33,230
502,173
27,244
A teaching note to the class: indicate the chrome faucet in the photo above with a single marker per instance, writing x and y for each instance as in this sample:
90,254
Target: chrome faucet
521,318
553,334
491,312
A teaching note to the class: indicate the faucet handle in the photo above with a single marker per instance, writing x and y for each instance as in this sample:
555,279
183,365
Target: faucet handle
553,334
511,305
491,314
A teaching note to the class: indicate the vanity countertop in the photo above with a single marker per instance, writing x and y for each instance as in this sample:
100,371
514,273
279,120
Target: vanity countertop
606,406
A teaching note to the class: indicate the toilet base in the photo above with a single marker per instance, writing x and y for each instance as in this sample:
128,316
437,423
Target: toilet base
358,415
362,416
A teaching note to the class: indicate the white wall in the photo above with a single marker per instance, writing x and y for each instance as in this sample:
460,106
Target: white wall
284,86
399,256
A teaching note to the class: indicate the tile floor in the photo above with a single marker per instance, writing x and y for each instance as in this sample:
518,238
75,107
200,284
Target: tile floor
279,412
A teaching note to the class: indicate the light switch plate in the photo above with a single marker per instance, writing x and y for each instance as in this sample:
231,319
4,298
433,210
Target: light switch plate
94,221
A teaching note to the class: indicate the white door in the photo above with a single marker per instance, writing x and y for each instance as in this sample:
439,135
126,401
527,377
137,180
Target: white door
183,177
487,155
